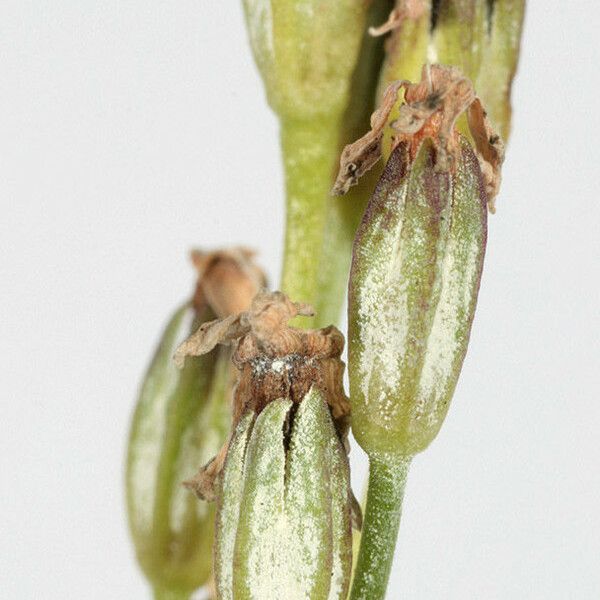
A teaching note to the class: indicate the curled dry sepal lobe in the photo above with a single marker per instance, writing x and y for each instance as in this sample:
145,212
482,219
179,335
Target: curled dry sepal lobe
275,361
430,111
416,269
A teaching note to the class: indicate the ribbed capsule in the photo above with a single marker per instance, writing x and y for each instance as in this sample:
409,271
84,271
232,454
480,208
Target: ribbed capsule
282,480
283,520
182,418
416,269
180,421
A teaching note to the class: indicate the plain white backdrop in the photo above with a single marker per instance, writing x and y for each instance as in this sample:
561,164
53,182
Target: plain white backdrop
132,131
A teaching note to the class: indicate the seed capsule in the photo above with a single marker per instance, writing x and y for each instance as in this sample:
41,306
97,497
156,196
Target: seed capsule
283,519
282,481
181,419
170,436
417,263
415,277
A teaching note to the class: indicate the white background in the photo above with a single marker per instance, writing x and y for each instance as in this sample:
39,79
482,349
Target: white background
132,131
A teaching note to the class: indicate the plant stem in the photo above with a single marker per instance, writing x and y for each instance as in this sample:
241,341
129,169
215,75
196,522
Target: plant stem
310,153
387,480
345,212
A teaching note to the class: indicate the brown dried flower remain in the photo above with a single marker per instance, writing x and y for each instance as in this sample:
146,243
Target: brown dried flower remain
275,361
430,110
227,281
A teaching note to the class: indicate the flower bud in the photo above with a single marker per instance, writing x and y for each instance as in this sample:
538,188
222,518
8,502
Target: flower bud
306,52
181,419
227,280
282,480
416,268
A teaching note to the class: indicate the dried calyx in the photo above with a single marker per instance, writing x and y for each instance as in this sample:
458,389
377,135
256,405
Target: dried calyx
430,111
181,420
275,361
227,280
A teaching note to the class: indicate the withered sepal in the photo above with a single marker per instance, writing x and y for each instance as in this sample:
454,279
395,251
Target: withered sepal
430,110
275,362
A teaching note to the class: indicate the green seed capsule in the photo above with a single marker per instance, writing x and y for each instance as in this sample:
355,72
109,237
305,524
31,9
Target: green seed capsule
306,52
180,421
283,521
415,277
282,480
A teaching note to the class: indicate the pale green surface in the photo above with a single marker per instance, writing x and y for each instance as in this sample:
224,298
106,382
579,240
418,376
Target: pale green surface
258,548
306,52
415,279
407,51
344,212
460,35
499,62
316,504
341,521
308,508
169,594
309,156
228,511
284,512
179,423
387,481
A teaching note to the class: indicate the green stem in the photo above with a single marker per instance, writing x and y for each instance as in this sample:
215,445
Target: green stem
387,480
161,593
310,153
345,212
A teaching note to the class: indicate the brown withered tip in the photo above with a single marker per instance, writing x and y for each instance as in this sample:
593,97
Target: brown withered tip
275,361
264,328
360,156
204,483
430,110
227,281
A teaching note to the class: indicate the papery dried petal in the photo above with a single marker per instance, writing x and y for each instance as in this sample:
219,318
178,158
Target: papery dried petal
360,156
